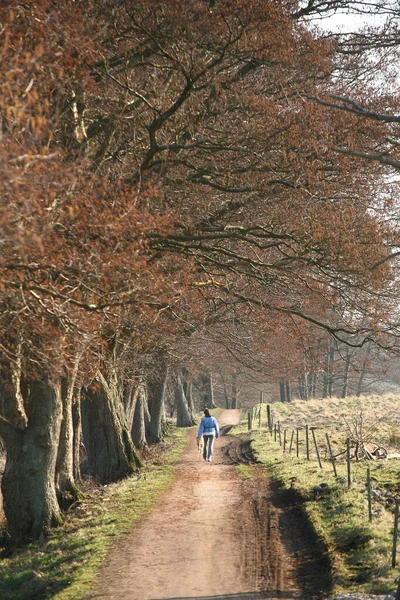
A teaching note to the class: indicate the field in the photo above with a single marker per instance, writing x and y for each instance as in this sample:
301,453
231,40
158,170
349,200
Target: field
360,549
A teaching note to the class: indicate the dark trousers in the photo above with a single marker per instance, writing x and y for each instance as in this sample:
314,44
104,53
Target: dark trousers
208,446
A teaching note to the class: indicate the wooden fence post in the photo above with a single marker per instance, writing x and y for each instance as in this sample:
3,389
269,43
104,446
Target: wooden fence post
269,418
275,432
348,462
249,415
395,532
291,441
369,494
331,454
307,444
397,596
316,447
284,440
279,433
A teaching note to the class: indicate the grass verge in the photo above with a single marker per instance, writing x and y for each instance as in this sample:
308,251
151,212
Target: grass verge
64,565
360,550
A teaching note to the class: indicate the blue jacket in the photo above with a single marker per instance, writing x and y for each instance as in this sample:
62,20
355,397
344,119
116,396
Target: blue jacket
208,426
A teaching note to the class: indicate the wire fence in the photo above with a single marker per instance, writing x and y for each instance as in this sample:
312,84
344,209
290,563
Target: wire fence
303,438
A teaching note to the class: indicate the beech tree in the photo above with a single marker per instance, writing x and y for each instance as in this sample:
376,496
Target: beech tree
164,173
72,257
239,176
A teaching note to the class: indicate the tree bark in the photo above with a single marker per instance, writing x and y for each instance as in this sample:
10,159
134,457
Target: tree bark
130,396
346,373
28,483
227,403
302,387
363,371
156,393
327,389
311,384
139,422
207,391
332,348
110,452
282,391
210,390
234,389
288,394
188,392
183,416
67,491
77,434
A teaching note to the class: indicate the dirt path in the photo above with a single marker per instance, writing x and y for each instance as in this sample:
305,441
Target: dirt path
212,536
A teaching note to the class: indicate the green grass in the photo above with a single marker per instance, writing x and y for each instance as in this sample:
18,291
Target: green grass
244,471
64,565
360,550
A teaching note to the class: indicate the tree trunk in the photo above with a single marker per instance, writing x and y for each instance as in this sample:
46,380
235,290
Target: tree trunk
67,491
205,384
288,394
77,434
311,384
108,443
234,389
211,390
183,416
156,393
130,396
327,388
331,365
363,370
346,373
282,391
188,391
302,387
139,423
227,403
325,384
28,483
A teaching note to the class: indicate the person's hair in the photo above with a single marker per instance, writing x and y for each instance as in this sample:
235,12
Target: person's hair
207,413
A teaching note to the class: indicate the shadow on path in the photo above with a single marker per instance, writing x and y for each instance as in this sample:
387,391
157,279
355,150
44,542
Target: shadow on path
272,595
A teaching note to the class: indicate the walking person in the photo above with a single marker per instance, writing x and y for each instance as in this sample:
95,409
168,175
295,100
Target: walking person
209,430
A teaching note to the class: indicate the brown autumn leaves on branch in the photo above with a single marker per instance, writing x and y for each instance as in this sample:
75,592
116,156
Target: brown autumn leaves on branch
162,164
171,197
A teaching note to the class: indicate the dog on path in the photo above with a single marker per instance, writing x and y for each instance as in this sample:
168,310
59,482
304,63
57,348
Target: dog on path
200,444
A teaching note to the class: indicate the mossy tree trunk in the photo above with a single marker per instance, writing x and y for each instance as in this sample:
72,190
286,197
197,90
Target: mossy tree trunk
139,420
188,392
110,452
156,388
28,483
183,416
130,396
65,481
77,435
